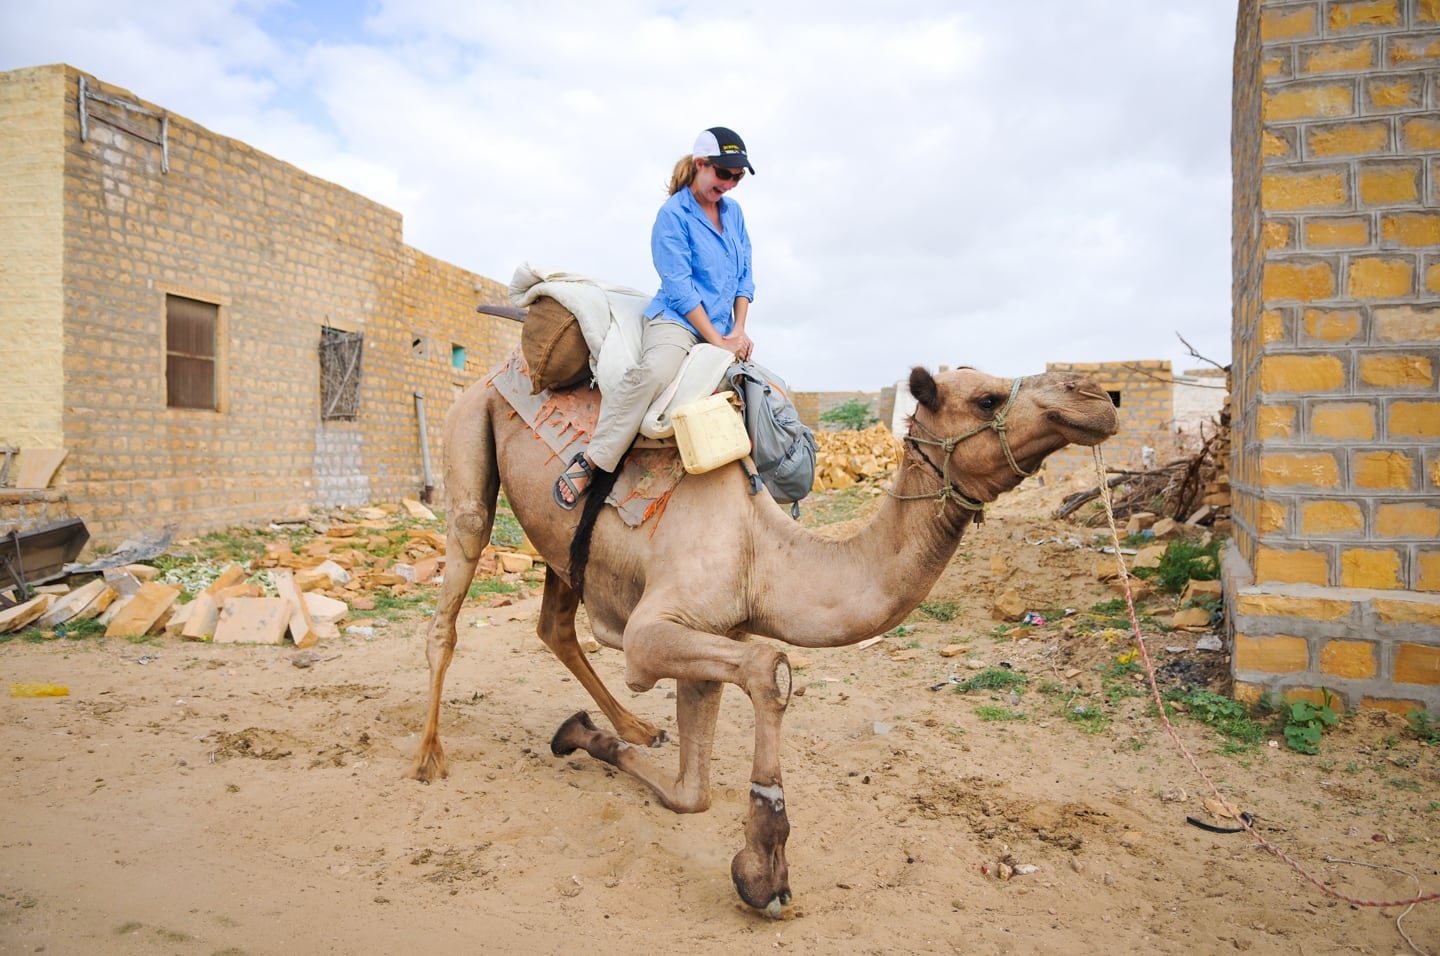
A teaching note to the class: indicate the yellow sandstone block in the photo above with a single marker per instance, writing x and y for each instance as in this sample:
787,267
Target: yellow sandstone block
1275,421
1291,567
1270,517
1308,103
1384,469
1380,277
1282,605
1417,664
1350,659
1429,577
1288,469
1329,517
1400,708
1333,57
1332,325
1411,229
1432,278
1247,693
1314,695
1407,521
1364,13
1351,140
1415,419
1366,568
1301,373
1344,420
1272,146
1429,11
1420,134
1272,327
1287,24
1337,233
1284,191
1275,235
1407,323
1408,612
1400,94
1279,654
1397,371
1384,185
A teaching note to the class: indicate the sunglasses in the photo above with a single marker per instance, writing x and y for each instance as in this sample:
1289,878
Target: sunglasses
727,175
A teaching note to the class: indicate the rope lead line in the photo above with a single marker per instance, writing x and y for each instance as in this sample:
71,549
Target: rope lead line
1244,819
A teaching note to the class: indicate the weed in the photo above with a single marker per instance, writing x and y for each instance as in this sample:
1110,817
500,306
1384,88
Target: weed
1089,718
391,607
1182,562
940,610
991,678
1305,722
80,630
506,531
1400,783
1432,806
494,585
1230,717
1424,726
992,712
851,414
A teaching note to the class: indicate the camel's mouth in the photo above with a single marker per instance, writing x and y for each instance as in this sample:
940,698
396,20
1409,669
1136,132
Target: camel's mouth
1090,430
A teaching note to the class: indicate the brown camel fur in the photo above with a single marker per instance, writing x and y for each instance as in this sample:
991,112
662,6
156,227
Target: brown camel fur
678,598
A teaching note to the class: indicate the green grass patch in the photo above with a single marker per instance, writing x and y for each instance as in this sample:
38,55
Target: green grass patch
991,678
940,610
1230,718
1089,718
992,712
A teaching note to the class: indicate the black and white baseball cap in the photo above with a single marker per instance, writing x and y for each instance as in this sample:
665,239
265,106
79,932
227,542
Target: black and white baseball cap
722,147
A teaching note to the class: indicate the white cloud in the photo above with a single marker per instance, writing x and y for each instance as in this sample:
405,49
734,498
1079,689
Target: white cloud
1001,187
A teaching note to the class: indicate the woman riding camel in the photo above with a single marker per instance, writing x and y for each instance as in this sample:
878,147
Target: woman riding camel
702,253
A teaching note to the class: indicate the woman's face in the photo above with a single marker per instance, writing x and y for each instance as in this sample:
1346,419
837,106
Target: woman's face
712,182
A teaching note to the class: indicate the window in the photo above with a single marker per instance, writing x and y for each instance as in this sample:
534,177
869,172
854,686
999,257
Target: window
1114,398
340,354
191,328
457,357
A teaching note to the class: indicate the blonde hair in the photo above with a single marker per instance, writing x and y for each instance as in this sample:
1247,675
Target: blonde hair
683,174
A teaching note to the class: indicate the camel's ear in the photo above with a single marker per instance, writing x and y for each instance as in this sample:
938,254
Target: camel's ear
922,386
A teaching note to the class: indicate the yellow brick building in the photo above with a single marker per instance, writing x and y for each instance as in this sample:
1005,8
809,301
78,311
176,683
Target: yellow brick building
1333,580
215,336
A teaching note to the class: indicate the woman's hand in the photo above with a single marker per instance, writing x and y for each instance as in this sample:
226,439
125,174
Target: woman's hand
740,343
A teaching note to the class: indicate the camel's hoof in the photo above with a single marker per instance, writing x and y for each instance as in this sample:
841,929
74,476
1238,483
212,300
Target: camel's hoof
754,881
571,735
660,739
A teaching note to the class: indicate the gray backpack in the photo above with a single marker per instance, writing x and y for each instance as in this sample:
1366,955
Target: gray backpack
782,447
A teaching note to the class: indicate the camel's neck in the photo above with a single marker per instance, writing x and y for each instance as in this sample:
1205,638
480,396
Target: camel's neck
838,592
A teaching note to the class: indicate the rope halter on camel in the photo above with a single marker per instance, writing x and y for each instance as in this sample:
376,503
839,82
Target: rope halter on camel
948,491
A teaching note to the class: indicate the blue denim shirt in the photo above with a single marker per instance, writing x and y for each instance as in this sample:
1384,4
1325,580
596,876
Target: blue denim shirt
698,264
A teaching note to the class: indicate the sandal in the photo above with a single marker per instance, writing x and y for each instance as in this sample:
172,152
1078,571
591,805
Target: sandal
577,469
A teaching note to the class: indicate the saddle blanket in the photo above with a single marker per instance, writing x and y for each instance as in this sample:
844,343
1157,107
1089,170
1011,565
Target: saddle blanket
564,421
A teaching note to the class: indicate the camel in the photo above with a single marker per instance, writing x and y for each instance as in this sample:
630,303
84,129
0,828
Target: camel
679,598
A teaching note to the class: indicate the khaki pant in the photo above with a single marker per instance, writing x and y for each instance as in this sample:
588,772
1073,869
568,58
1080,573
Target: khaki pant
622,409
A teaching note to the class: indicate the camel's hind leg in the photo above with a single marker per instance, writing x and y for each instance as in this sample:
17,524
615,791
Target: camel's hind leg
556,628
472,485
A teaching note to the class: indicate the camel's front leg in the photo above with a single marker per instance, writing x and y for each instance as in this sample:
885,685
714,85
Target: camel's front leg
655,649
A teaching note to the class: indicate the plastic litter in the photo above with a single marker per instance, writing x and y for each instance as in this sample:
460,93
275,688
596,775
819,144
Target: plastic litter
31,689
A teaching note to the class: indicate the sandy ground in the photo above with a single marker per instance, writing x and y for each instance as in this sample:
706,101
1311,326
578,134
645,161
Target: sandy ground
206,799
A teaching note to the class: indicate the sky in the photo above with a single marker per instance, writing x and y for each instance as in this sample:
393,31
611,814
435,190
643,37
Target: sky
938,182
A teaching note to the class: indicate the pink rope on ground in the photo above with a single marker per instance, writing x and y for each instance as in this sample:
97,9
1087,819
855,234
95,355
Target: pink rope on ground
1144,651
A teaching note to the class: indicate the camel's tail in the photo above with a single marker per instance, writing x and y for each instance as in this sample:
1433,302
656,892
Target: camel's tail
599,489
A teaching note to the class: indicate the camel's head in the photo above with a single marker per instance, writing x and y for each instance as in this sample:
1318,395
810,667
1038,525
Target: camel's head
1031,417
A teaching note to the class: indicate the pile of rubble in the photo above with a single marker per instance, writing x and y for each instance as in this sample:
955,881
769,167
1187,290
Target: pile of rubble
846,458
285,595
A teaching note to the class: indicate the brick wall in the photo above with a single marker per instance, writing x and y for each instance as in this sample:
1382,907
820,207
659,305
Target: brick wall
282,254
1335,570
31,256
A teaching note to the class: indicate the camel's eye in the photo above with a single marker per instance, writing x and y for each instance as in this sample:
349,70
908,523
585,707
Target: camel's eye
988,404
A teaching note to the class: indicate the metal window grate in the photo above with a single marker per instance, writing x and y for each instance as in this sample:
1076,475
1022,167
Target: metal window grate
340,354
190,333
